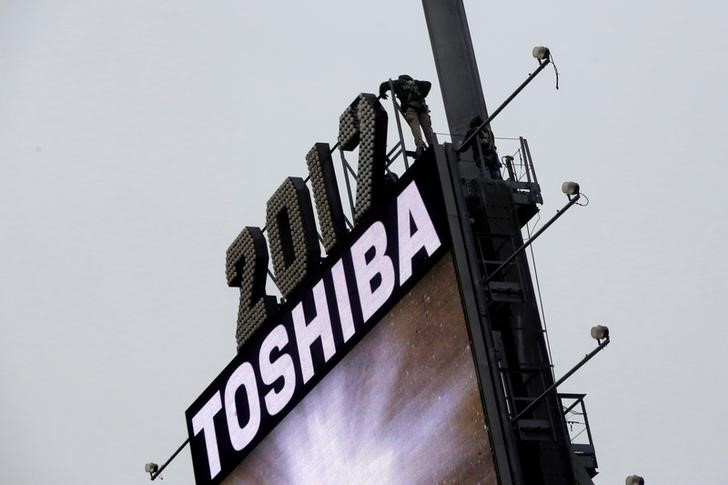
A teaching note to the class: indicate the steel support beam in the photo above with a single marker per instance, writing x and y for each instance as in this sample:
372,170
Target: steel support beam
457,70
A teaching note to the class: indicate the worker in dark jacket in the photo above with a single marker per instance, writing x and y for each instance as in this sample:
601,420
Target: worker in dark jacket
411,95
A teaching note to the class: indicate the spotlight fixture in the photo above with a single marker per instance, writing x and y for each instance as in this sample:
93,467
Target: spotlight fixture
634,480
600,332
541,53
570,188
151,468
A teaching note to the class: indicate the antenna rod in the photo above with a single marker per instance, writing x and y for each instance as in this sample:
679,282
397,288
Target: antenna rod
553,386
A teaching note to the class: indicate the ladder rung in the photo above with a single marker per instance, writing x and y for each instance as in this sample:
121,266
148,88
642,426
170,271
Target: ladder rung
504,287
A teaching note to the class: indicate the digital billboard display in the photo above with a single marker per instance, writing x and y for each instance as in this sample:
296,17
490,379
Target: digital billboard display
402,407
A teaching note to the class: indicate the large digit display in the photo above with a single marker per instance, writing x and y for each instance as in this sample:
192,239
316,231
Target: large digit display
326,194
364,124
293,237
245,268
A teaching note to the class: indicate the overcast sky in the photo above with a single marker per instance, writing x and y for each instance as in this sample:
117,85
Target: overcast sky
137,138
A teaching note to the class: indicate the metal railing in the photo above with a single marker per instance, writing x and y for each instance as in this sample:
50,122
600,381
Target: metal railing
577,423
518,169
518,165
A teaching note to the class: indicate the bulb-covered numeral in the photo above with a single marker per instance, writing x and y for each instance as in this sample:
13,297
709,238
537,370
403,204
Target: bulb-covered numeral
292,234
246,268
364,123
326,195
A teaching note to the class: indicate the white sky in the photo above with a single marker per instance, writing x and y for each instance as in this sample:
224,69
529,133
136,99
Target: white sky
137,138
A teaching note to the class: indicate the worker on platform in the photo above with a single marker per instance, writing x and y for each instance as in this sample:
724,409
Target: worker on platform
483,147
411,95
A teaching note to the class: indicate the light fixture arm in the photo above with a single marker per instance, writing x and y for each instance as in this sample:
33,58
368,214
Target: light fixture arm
602,343
559,213
463,146
154,475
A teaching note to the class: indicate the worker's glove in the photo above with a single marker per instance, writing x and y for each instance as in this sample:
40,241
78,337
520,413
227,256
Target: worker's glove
382,96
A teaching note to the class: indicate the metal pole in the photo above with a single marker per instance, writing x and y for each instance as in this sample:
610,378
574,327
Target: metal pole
530,160
553,386
161,468
559,213
576,403
457,70
399,124
526,160
525,83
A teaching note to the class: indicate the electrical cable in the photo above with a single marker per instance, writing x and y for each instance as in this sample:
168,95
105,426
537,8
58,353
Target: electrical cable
587,201
556,71
538,290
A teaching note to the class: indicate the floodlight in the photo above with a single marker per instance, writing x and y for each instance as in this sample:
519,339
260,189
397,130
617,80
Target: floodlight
151,467
570,188
600,332
541,53
634,480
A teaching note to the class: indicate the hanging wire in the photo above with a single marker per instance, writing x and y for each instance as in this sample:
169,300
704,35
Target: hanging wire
556,71
538,290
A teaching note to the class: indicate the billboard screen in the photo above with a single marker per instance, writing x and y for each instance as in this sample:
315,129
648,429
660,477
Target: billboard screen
402,407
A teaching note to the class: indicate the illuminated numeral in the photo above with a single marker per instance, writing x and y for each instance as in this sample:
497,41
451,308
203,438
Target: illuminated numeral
246,268
292,234
326,195
364,123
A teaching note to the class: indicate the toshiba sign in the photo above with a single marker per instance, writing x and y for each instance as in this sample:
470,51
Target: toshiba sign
329,306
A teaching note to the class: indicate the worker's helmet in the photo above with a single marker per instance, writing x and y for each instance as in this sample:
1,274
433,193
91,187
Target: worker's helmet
405,77
476,122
